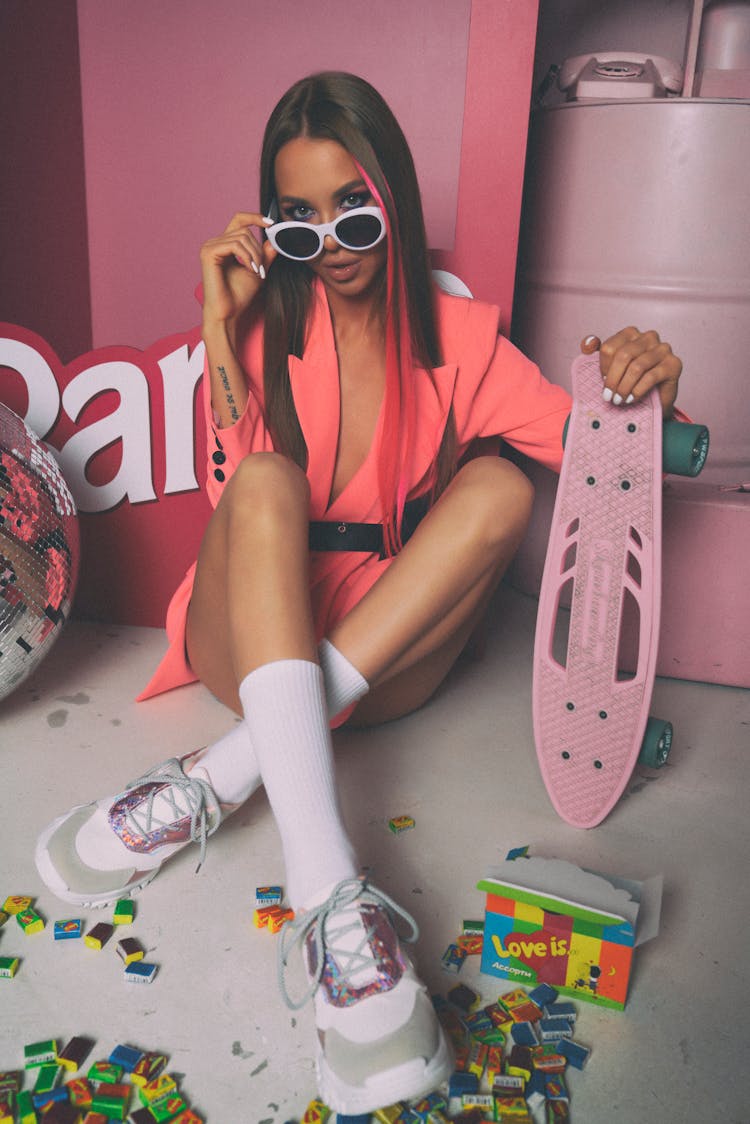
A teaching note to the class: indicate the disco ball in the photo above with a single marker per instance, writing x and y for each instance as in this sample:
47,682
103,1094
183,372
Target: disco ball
39,551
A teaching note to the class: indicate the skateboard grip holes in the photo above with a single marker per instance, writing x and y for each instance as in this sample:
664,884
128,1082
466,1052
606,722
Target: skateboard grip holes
625,485
571,552
560,633
591,480
565,755
570,706
596,424
632,427
627,662
569,559
598,765
603,714
633,568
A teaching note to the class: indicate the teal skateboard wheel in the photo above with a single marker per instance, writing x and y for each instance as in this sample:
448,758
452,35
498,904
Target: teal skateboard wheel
656,744
684,448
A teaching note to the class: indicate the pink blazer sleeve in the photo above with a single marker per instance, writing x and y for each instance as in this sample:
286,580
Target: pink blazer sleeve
499,392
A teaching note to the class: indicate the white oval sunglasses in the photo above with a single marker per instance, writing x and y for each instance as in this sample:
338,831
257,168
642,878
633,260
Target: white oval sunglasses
360,229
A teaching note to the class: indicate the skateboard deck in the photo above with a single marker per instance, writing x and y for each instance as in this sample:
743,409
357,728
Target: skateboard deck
604,557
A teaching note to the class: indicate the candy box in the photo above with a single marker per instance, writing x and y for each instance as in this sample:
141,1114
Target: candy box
549,921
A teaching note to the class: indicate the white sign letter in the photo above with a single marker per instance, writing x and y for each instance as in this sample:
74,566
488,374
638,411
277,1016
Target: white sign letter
181,373
129,424
44,397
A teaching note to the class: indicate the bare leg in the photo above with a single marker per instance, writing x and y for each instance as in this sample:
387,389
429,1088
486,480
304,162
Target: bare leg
443,579
250,603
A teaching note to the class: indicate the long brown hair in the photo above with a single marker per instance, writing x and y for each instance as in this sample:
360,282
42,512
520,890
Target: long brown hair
346,109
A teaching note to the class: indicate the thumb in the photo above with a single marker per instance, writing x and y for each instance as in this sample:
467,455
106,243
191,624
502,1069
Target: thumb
269,254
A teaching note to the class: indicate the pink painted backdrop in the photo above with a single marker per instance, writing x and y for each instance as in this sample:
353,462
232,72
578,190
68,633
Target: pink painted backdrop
175,99
44,280
493,150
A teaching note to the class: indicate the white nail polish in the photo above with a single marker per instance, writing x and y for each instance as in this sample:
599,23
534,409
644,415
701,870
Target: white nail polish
617,400
607,394
589,340
254,267
630,399
262,273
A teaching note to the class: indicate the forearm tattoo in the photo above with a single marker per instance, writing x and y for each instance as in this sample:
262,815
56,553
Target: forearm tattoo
228,393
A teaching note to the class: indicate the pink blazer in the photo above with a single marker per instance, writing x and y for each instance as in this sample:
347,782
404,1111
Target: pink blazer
494,390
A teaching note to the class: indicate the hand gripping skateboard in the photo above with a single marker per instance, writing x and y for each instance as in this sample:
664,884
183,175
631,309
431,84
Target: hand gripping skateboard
591,722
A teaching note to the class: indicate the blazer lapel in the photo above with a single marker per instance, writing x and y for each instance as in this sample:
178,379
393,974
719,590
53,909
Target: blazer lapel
314,380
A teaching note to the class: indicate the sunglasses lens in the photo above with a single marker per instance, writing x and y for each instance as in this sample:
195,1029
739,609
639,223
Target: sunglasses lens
297,241
359,231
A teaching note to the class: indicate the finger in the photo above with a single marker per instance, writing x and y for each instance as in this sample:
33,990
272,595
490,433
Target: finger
664,375
625,335
636,379
237,247
590,344
612,345
269,255
262,253
618,361
248,218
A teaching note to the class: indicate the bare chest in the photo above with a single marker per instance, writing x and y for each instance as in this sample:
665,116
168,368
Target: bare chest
362,383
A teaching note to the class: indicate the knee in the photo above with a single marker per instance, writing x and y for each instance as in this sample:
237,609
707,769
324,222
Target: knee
499,501
266,483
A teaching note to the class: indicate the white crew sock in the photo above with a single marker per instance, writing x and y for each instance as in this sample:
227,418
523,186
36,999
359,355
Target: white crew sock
285,712
344,684
231,762
231,765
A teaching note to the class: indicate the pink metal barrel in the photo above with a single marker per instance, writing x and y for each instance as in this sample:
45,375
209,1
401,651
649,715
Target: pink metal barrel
636,212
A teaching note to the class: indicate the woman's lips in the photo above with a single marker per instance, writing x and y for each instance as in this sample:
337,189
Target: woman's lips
342,271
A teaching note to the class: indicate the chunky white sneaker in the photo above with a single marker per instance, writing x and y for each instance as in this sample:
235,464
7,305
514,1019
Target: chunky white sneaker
99,852
379,1040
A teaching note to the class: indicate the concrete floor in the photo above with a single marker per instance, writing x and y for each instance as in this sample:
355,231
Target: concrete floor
465,768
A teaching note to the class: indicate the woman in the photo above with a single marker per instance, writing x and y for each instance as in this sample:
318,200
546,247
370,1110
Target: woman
354,546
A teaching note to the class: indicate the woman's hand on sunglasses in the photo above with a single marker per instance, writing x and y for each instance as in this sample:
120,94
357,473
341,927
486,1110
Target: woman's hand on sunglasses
234,266
633,363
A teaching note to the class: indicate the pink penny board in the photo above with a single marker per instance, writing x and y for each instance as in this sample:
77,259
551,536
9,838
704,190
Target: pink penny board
604,551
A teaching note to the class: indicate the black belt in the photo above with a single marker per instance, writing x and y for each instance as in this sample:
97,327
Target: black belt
365,537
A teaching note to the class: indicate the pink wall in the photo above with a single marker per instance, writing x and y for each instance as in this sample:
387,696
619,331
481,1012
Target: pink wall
44,282
493,150
175,98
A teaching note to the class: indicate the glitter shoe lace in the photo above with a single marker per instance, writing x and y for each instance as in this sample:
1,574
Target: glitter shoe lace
182,794
328,936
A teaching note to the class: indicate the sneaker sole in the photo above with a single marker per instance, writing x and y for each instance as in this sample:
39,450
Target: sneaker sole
408,1082
54,882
